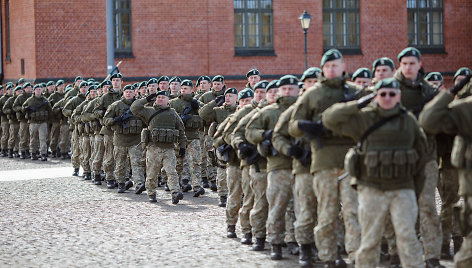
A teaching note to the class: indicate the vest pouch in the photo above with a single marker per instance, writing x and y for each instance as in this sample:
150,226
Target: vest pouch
117,128
43,115
125,130
399,164
162,135
352,162
386,164
371,162
194,122
145,133
172,135
458,152
468,157
80,128
412,159
135,126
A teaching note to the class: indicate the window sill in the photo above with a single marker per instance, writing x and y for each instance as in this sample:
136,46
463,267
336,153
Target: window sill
7,59
254,52
432,50
345,51
124,54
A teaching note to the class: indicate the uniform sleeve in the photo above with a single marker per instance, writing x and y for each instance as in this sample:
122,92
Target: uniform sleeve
110,114
207,113
344,119
99,108
436,116
68,108
255,128
139,110
420,146
179,125
302,111
26,103
16,105
239,132
218,137
281,140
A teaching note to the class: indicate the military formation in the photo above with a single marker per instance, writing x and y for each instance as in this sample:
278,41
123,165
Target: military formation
326,165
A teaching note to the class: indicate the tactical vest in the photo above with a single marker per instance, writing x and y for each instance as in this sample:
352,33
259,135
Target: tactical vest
162,128
132,125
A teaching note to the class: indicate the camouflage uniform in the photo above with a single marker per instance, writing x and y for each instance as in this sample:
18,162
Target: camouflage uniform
38,123
96,140
5,126
56,120
14,125
67,111
83,136
24,127
64,134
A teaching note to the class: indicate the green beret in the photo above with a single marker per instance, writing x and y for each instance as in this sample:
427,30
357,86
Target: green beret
287,80
175,79
383,62
362,73
409,52
116,75
136,85
152,81
1,87
272,84
142,84
96,83
300,85
106,83
8,86
38,86
128,87
83,84
434,76
90,80
261,84
187,82
252,72
312,72
25,85
92,87
163,93
245,93
50,83
462,71
332,54
218,78
11,84
18,88
387,83
78,78
231,90
20,81
162,78
59,82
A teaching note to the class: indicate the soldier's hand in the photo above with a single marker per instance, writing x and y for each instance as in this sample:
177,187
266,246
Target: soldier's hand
117,119
194,104
295,151
310,127
182,152
364,101
220,100
245,149
27,108
460,85
151,97
267,135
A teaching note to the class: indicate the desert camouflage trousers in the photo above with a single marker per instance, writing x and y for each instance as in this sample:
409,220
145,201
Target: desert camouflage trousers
54,134
24,135
206,144
448,187
260,209
86,152
463,258
134,154
38,135
99,151
156,159
75,141
64,138
235,194
193,158
5,134
305,208
108,160
221,182
13,138
374,206
248,201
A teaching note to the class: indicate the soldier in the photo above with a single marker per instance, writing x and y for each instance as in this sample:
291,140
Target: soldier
253,77
382,68
104,101
444,115
388,168
163,83
436,79
187,107
4,120
216,111
202,86
126,139
67,111
142,90
49,89
24,126
75,89
56,119
415,94
152,86
13,139
37,110
165,128
64,133
310,77
174,87
327,157
362,77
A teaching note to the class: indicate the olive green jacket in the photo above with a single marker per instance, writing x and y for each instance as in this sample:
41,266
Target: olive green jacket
3,100
168,119
8,109
70,106
76,118
101,107
210,96
394,155
57,110
42,114
88,117
128,134
53,99
328,151
179,104
18,106
466,91
212,113
72,93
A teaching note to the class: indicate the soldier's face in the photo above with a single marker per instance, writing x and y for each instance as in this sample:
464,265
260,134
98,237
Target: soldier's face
9,91
50,89
185,90
92,94
116,82
230,98
204,85
152,88
364,82
217,86
28,89
174,87
60,88
334,68
382,72
19,92
253,80
259,94
388,98
77,83
458,79
410,66
105,89
309,82
289,91
162,100
38,91
270,95
163,85
129,94
143,90
244,102
83,90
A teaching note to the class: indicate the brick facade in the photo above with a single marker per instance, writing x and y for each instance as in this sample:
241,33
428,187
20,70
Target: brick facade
65,38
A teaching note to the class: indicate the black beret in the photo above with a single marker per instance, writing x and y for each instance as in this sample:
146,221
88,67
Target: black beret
27,85
271,85
387,83
128,87
261,84
203,77
106,83
245,93
384,61
50,83
287,80
409,52
92,87
20,81
462,71
187,82
312,72
116,75
252,72
231,90
332,54
434,76
162,78
152,81
218,78
8,86
83,84
38,86
142,84
362,73
18,88
78,78
163,93
59,82
175,79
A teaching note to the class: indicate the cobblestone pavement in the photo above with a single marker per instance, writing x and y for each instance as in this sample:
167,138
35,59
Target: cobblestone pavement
51,219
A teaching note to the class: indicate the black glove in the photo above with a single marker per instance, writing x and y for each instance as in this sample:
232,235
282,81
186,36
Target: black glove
185,117
194,104
151,97
459,85
220,100
364,101
182,152
267,135
295,151
28,108
310,127
245,149
117,119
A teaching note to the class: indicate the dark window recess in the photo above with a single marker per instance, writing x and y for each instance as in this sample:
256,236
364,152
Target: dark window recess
341,25
122,28
426,25
22,66
7,30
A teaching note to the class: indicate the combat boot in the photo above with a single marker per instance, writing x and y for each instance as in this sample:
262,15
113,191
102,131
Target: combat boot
329,264
293,248
33,156
446,252
176,197
205,182
23,155
87,176
259,244
97,179
3,153
16,154
121,187
28,153
213,186
64,156
276,252
44,158
10,153
457,240
395,262
199,192
152,198
166,188
223,199
185,186
76,172
305,255
231,231
140,188
111,184
247,239
433,263
159,181
339,262
128,185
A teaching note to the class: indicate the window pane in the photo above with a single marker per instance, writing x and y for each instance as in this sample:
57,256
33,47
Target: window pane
352,3
251,4
238,4
326,3
411,3
421,3
338,4
252,27
435,3
266,3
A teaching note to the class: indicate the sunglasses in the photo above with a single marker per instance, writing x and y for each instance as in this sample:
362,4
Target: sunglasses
390,94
